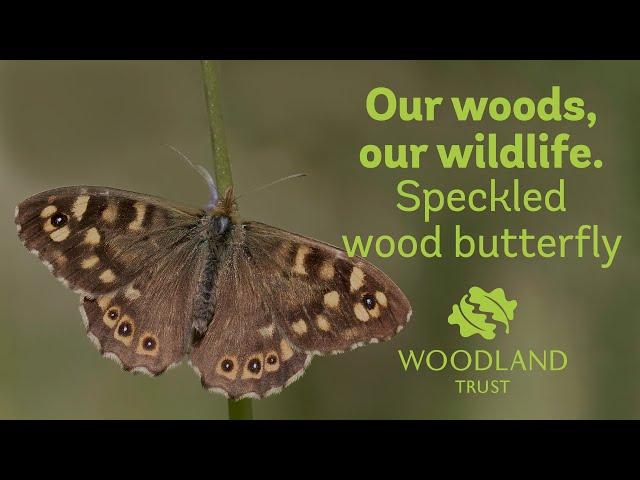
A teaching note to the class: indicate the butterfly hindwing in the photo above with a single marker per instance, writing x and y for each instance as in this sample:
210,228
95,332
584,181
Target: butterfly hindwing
97,239
243,353
323,301
146,325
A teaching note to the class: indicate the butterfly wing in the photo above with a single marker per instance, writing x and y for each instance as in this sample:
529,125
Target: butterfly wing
96,239
147,325
324,301
136,260
243,353
283,298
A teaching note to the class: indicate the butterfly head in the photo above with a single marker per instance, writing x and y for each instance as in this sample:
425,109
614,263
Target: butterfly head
224,212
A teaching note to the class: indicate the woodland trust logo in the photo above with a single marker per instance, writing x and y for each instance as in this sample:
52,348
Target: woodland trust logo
472,313
478,314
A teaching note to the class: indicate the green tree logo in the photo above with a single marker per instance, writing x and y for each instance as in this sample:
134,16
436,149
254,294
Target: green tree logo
473,311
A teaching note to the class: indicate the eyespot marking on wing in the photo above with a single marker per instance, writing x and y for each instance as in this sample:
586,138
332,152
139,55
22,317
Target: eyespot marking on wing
111,316
227,366
124,330
253,367
148,345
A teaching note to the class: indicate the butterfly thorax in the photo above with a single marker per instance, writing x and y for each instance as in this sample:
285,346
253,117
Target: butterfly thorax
225,211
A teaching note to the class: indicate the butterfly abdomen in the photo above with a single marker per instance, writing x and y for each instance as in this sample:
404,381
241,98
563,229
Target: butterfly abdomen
218,233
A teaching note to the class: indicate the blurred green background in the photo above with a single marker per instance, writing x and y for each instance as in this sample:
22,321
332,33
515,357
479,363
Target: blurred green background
108,123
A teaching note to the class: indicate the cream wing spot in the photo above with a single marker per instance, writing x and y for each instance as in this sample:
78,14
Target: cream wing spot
141,208
60,234
375,311
48,211
92,237
105,300
110,213
381,298
132,293
299,326
357,279
267,332
323,323
332,299
107,276
48,226
361,312
80,206
89,262
326,270
298,266
285,350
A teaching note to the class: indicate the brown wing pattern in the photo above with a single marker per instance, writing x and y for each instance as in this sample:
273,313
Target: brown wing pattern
290,297
243,353
96,239
326,302
146,325
280,298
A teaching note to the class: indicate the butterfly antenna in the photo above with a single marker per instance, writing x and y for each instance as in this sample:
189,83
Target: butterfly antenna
275,182
204,173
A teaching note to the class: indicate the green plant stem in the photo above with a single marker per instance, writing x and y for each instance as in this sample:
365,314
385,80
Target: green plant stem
242,409
221,163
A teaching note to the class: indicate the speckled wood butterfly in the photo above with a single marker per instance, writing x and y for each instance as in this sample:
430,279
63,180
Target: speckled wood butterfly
250,304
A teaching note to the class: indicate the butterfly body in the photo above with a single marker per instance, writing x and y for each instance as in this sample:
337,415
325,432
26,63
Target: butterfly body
250,304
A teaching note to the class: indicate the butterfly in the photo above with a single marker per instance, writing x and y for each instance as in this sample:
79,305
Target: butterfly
248,303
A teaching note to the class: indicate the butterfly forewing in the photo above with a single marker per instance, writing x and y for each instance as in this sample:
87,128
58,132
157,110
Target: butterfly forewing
322,300
98,239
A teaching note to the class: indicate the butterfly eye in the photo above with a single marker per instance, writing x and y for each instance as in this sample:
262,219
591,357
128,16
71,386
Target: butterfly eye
58,220
125,329
254,365
369,301
227,365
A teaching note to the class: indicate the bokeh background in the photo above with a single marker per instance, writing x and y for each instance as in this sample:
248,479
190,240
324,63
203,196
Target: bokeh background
109,123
